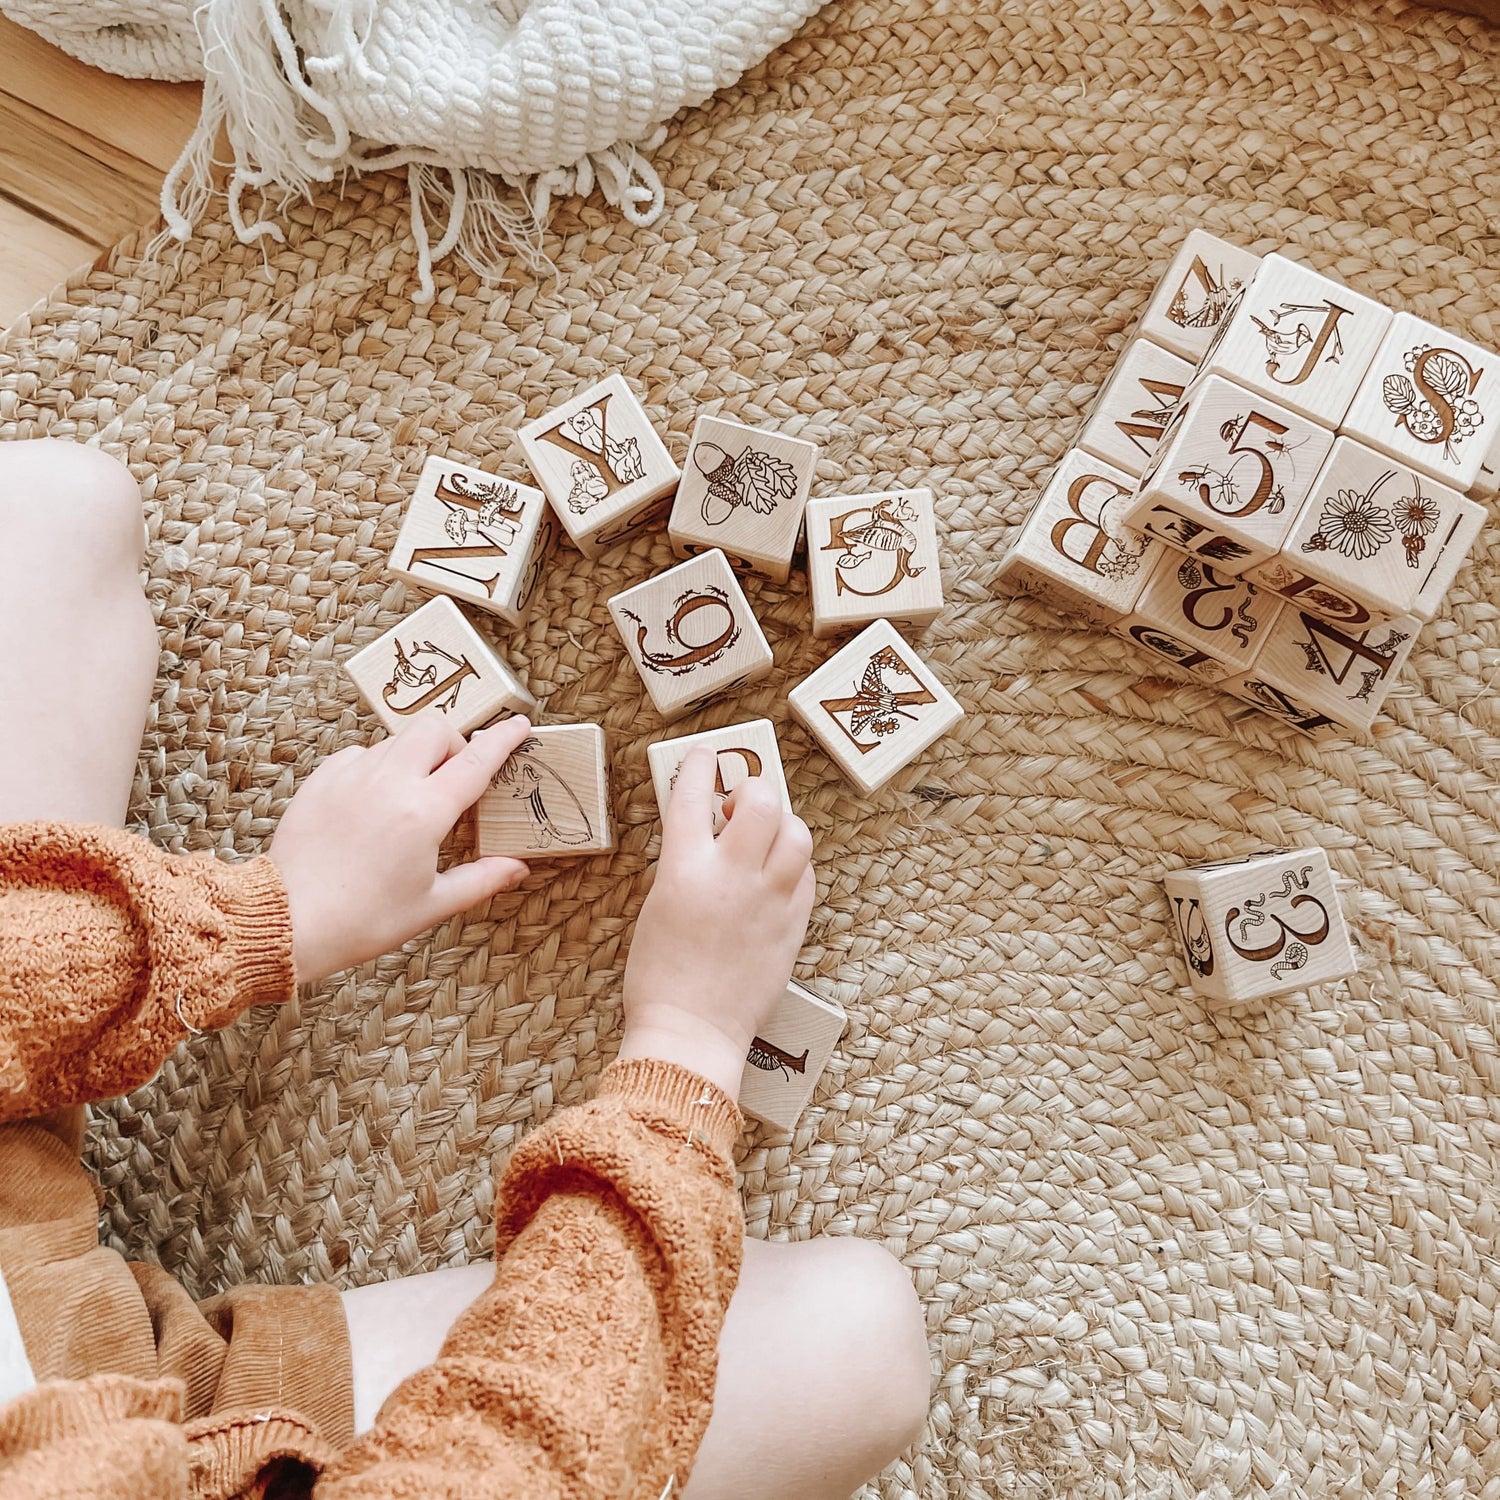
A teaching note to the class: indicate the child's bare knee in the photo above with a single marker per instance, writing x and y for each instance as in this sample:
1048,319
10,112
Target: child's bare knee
74,497
890,1302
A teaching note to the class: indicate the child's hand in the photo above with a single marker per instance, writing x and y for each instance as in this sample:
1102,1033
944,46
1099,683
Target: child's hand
358,845
721,929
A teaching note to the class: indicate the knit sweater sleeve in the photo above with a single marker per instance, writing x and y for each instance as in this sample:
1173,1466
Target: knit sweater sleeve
111,951
587,1369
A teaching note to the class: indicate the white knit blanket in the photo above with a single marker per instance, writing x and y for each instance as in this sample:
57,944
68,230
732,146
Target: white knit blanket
544,98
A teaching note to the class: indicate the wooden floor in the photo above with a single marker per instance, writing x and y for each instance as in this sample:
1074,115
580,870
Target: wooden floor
82,156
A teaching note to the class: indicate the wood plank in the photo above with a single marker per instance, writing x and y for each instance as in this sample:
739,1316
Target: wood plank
99,193
139,116
37,256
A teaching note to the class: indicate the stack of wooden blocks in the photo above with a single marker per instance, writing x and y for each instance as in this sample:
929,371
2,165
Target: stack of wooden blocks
739,506
1269,492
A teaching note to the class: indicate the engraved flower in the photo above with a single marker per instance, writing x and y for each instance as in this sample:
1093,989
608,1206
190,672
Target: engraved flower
1416,517
1351,524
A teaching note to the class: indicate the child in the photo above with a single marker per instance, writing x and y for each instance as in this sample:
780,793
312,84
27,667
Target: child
626,1338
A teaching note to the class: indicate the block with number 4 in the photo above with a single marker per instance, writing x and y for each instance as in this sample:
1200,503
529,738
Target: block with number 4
873,557
690,633
435,659
1205,625
475,536
788,1055
1229,477
600,463
1205,279
874,706
743,490
1254,927
550,799
743,751
1135,406
1376,539
1074,551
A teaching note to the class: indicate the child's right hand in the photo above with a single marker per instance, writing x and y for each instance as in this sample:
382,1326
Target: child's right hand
718,935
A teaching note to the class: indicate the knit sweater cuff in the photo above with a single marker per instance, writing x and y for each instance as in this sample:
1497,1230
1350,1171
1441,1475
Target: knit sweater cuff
259,923
702,1110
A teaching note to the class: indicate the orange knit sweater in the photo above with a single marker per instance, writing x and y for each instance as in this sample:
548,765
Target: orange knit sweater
586,1370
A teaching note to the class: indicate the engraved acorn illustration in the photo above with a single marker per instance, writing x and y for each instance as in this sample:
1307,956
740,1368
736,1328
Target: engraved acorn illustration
750,477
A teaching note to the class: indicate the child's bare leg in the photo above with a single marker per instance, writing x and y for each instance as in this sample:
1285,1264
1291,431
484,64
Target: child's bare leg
823,1365
79,646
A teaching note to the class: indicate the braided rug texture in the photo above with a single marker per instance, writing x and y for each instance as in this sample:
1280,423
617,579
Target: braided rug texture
1165,1250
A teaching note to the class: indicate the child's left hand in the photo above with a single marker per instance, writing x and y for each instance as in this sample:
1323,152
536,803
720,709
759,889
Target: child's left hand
358,846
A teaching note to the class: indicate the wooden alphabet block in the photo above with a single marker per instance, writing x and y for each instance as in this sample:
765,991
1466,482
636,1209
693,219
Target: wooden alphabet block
874,706
1074,551
1487,482
550,800
1431,400
1135,406
743,490
788,1056
1251,928
435,659
691,634
744,750
1207,626
475,536
1318,668
873,557
1264,698
1230,476
1206,276
1300,339
1375,540
600,463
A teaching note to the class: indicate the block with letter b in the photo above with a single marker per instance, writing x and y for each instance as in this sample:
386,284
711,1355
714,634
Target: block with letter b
873,557
475,536
788,1056
743,751
1203,624
550,800
600,463
1201,285
1230,476
1260,926
1376,539
1431,400
1300,339
1135,407
690,633
1074,551
435,659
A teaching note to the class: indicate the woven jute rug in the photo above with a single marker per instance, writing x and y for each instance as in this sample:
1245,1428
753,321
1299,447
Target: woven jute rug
1166,1250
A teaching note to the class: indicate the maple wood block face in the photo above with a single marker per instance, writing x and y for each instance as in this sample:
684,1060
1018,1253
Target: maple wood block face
1135,407
691,634
1265,698
1074,551
1190,301
435,659
874,706
475,536
873,557
788,1056
1208,626
1319,668
600,463
743,490
550,800
1430,400
1487,481
744,750
1230,476
1375,540
1300,339
1261,926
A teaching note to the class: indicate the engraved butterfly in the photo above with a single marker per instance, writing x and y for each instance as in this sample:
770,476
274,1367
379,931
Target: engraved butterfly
877,706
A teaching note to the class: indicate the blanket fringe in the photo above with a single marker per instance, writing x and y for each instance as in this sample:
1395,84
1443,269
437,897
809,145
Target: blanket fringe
286,137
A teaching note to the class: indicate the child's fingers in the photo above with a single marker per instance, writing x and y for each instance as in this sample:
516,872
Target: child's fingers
689,819
473,884
461,780
424,744
791,853
754,810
